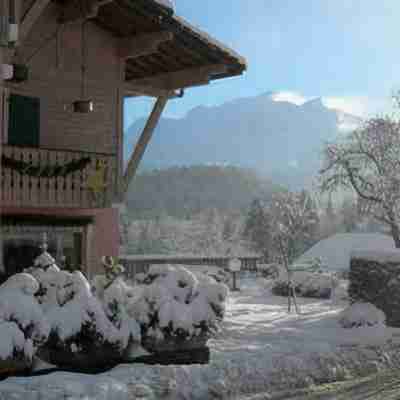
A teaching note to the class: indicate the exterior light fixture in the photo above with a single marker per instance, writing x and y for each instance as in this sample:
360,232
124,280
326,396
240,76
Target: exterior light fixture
83,105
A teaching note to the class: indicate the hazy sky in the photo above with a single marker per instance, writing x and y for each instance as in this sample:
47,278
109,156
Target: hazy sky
346,51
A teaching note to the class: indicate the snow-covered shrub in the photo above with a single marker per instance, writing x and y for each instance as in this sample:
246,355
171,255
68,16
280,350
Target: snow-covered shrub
175,304
269,271
307,284
23,327
361,314
84,333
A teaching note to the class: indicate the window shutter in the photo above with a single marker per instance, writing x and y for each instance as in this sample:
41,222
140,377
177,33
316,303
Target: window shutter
24,121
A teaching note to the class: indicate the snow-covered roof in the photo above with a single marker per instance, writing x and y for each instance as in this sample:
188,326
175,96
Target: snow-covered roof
336,250
167,3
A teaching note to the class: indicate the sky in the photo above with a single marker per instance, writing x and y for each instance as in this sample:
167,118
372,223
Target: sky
346,51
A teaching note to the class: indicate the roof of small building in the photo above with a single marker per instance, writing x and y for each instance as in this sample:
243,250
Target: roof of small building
190,47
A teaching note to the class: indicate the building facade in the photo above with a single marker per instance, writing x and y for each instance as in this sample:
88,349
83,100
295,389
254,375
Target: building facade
72,64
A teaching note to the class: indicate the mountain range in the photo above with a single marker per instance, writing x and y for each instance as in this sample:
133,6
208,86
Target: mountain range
278,139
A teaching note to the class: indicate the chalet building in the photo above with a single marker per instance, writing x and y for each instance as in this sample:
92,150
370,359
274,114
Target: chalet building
65,68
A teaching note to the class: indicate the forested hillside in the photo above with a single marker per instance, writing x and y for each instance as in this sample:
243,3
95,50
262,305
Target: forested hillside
184,191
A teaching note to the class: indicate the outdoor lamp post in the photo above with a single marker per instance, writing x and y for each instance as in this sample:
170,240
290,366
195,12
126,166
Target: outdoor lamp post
234,265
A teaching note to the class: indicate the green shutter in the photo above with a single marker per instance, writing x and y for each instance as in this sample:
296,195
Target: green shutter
24,121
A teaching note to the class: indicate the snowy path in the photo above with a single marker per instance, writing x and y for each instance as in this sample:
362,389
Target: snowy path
261,349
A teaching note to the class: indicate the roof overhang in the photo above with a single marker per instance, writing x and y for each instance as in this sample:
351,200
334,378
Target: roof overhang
161,50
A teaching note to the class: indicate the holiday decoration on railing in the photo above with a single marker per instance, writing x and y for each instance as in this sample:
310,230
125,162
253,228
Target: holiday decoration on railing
96,182
45,171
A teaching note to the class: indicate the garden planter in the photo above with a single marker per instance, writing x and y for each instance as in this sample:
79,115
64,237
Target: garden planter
176,350
91,356
14,365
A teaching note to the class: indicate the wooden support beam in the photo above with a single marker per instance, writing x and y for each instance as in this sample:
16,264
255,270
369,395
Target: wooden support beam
142,143
142,90
82,10
181,79
142,45
31,18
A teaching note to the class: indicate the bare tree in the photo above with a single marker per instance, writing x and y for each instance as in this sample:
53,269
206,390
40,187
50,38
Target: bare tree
368,163
293,221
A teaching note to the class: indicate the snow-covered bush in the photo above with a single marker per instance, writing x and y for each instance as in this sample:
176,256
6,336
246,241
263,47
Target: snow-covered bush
361,314
23,327
269,271
83,332
175,304
307,284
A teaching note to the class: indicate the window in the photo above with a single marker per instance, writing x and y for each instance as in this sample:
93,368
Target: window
23,121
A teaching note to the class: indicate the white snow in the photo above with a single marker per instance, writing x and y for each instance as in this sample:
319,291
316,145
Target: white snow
181,299
79,306
336,250
22,322
12,338
261,348
167,3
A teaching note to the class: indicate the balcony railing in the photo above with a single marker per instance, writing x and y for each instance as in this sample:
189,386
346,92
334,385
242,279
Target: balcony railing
37,177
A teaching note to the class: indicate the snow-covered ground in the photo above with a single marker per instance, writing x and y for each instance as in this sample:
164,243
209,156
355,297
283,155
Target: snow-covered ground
260,349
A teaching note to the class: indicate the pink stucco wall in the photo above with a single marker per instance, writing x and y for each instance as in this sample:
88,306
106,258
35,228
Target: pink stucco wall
104,237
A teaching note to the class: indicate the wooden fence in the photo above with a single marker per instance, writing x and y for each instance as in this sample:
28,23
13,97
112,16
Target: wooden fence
135,264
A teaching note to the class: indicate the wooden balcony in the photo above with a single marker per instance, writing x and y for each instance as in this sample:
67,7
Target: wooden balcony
38,177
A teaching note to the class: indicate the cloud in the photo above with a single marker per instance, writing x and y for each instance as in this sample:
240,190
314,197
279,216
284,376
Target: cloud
360,106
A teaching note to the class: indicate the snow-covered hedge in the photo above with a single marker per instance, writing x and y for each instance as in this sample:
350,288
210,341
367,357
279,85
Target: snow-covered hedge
175,305
23,327
361,314
269,271
375,278
307,284
83,332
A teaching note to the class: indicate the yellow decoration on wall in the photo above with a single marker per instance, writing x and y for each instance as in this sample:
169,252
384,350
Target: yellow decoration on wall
96,182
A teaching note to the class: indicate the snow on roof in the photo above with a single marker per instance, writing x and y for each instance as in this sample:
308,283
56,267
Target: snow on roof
335,251
167,3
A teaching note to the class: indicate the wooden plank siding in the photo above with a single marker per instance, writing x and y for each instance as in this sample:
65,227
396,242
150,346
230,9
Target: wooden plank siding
55,78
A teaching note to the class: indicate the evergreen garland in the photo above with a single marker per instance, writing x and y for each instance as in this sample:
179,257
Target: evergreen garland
48,171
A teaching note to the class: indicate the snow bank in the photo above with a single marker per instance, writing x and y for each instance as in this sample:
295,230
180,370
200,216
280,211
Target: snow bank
362,314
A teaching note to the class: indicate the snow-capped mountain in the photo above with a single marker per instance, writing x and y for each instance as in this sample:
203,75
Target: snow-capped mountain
278,138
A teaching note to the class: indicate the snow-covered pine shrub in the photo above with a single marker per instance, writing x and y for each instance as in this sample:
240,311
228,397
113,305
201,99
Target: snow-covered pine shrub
114,294
82,334
23,326
307,284
361,314
174,305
